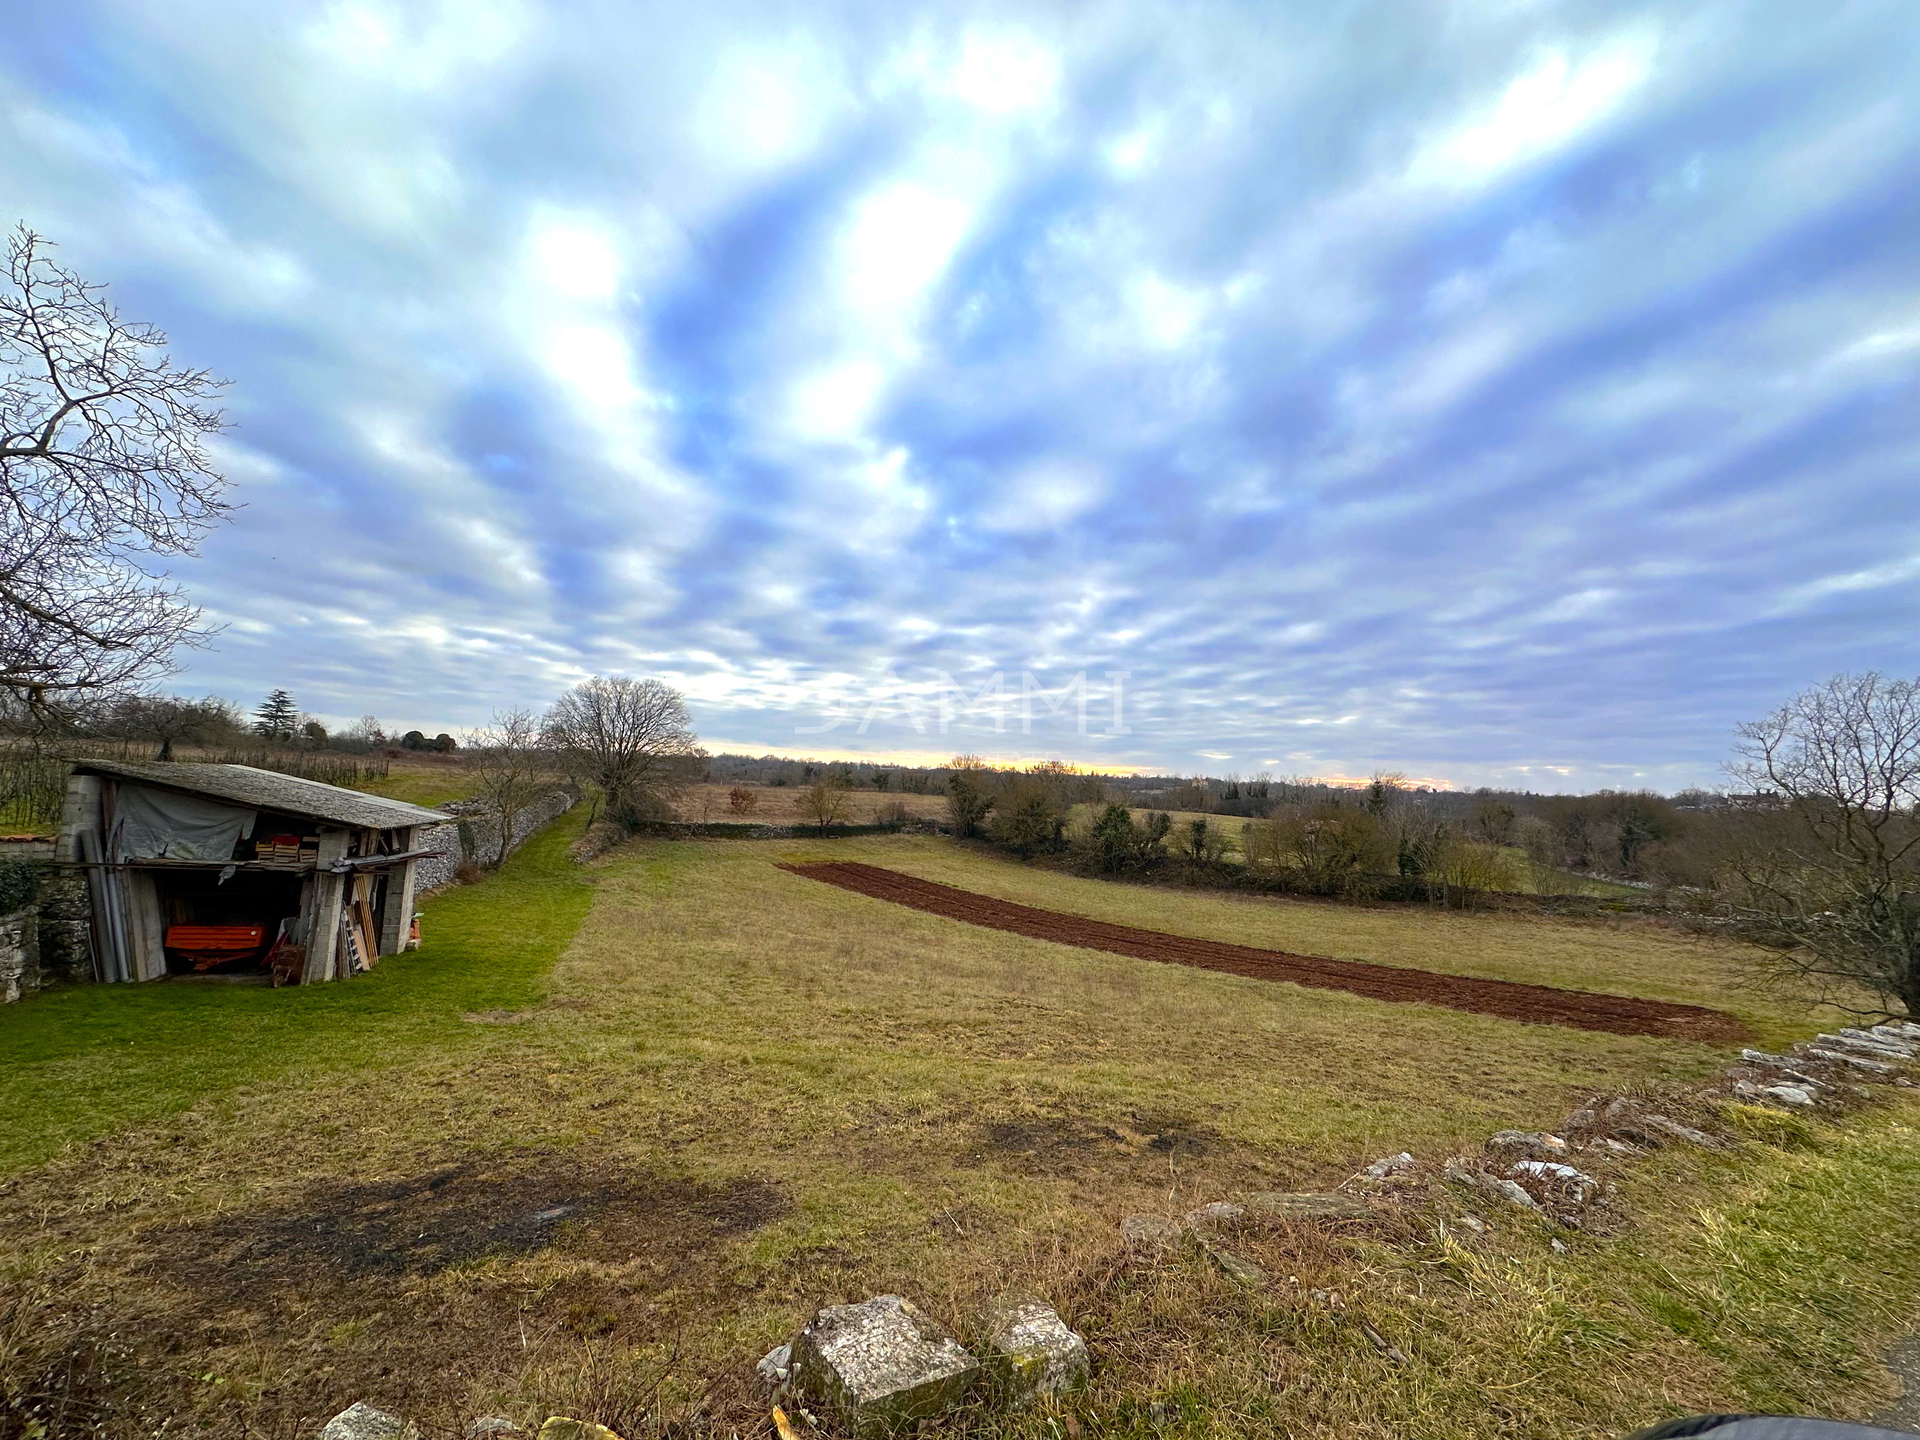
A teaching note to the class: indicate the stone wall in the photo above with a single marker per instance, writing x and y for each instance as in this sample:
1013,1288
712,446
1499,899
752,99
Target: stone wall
66,925
469,835
19,954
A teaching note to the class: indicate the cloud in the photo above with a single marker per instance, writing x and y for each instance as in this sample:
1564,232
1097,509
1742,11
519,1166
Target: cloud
1502,393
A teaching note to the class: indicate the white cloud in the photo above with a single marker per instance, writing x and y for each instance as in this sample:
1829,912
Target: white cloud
1555,102
898,242
1045,496
1004,72
834,403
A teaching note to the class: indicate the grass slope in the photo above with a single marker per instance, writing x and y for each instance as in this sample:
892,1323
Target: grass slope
756,1094
92,1059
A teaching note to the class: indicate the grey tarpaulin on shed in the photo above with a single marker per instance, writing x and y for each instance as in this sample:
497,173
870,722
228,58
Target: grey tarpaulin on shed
165,825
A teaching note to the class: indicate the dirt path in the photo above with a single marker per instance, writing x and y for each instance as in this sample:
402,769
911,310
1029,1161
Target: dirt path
1534,1004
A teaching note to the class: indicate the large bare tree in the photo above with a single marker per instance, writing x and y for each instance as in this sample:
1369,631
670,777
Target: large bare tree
632,738
103,475
1827,873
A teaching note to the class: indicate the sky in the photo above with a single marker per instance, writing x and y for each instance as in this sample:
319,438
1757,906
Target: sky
1512,393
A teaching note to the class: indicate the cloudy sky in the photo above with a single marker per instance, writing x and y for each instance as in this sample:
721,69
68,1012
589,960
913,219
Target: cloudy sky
1514,393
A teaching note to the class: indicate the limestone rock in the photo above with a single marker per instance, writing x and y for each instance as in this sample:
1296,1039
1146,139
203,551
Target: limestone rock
1899,1046
1601,1115
1490,1185
1551,1172
881,1365
1472,1222
1782,1064
1868,1044
1151,1232
1673,1128
1307,1205
565,1427
1237,1268
1847,1057
1789,1095
1392,1165
1526,1142
361,1421
1032,1353
1217,1216
775,1367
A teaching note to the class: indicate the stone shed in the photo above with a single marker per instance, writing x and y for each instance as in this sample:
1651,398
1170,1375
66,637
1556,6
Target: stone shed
229,870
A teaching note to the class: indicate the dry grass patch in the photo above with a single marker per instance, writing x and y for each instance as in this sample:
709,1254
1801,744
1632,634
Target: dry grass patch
740,1095
781,805
1627,955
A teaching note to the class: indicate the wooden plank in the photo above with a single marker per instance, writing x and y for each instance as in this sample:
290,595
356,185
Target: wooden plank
323,940
398,916
146,926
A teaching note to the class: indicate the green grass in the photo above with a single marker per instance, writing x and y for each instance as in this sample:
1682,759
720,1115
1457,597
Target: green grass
89,1060
943,1111
428,787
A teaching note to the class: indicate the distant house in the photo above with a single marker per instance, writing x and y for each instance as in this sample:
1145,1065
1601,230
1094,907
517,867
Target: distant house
229,870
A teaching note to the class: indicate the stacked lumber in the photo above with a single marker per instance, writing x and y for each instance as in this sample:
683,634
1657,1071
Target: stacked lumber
286,852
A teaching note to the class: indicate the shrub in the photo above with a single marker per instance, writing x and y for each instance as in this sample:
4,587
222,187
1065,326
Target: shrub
1116,843
893,814
824,802
1204,844
1029,819
967,802
1460,872
741,800
1328,849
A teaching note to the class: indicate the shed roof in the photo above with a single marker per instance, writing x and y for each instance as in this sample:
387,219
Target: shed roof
270,790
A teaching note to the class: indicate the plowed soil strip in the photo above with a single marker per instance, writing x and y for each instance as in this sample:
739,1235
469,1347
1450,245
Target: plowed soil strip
1533,1004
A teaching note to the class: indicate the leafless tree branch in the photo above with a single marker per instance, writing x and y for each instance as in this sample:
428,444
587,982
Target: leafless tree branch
1828,880
103,473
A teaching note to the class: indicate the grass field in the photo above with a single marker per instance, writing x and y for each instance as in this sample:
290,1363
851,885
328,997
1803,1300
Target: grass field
750,1094
423,781
780,805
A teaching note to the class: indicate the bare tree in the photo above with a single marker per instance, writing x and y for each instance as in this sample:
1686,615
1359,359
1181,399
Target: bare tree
169,719
103,471
825,802
507,765
632,738
1829,878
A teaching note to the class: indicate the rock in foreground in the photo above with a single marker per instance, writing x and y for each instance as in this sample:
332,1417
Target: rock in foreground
1152,1232
1032,1353
880,1366
1307,1205
361,1421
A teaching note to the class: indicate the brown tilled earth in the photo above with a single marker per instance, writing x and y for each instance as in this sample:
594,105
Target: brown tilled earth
1533,1004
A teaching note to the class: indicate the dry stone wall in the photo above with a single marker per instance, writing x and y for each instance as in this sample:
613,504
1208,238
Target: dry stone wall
471,835
19,954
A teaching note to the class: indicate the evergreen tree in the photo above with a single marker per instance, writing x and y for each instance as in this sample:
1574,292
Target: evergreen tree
278,717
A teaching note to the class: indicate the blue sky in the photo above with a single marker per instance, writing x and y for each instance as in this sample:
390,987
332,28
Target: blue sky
1506,393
